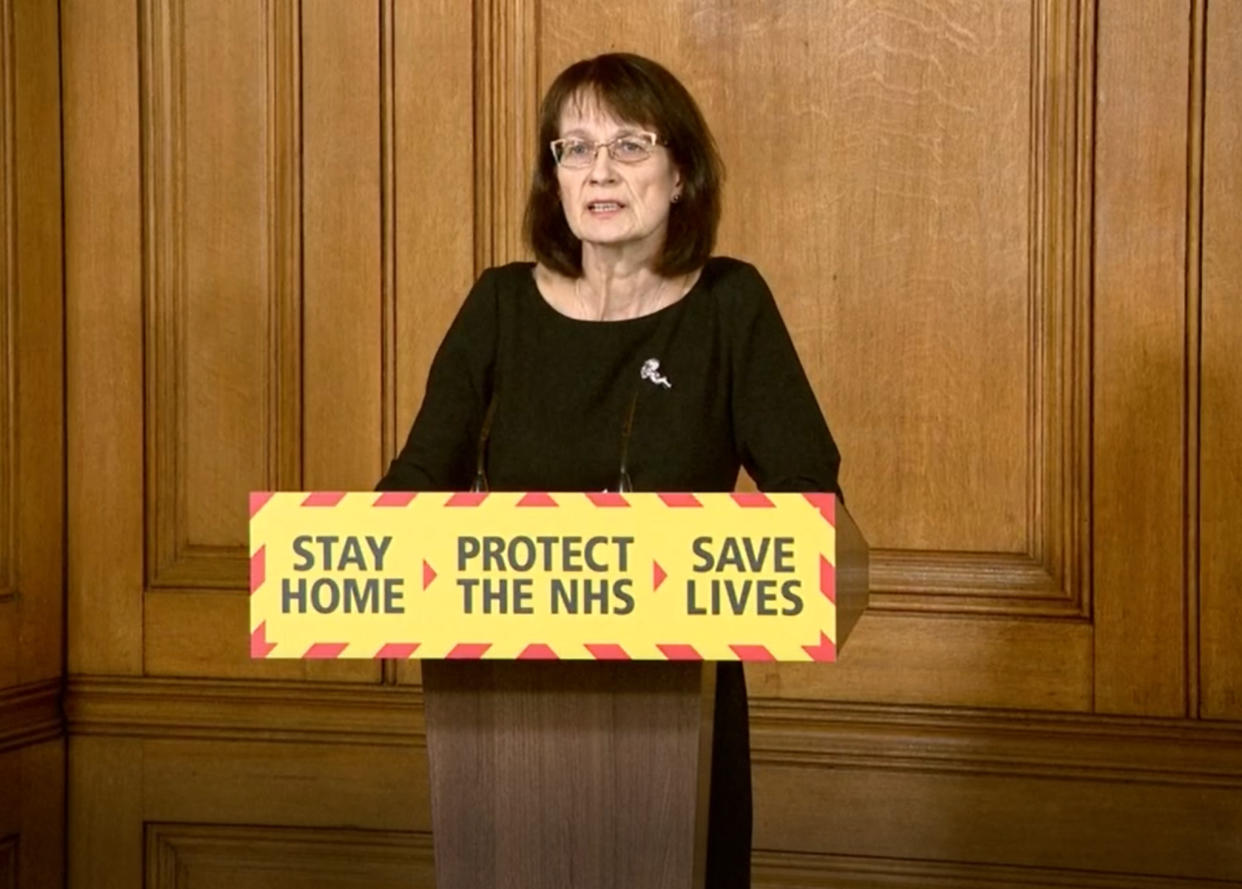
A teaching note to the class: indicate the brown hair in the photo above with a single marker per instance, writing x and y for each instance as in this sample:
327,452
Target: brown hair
639,91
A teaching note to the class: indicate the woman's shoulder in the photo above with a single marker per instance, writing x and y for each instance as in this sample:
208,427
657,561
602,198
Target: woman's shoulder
736,287
729,274
507,277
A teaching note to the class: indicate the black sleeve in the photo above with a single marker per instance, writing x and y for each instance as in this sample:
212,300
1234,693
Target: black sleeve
439,454
782,437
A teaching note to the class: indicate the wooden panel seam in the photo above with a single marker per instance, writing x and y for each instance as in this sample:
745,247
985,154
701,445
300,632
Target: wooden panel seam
1196,119
8,304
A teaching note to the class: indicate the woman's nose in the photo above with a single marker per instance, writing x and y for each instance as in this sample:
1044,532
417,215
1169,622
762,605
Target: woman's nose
601,165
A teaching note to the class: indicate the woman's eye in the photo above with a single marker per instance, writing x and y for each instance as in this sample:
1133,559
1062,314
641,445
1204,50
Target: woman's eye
575,150
632,147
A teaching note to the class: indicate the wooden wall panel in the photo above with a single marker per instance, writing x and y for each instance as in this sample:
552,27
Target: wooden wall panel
242,782
8,862
1153,797
1140,327
104,336
259,858
234,310
218,156
342,259
8,296
1221,404
32,812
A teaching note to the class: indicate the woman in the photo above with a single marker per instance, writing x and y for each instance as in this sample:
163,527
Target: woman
626,357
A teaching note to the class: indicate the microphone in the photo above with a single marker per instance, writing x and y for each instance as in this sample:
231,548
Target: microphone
480,454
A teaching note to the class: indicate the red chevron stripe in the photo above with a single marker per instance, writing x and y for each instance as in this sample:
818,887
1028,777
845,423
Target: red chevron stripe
607,498
259,646
657,575
325,651
826,504
398,650
752,499
680,652
828,579
607,651
395,498
752,653
468,651
826,650
680,500
258,499
258,569
537,498
324,498
537,651
429,574
466,498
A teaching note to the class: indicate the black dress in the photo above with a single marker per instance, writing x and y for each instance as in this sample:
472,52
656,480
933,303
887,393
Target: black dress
562,390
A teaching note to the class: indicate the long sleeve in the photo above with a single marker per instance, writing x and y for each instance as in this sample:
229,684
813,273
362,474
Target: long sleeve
782,438
440,451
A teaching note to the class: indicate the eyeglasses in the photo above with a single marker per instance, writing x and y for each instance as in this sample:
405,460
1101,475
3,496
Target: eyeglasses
628,148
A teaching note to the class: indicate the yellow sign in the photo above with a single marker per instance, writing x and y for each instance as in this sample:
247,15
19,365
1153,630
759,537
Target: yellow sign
532,575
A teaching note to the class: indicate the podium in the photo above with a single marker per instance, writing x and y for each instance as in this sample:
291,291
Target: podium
571,774
569,644
580,775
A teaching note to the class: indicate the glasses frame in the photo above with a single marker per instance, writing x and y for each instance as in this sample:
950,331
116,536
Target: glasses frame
645,135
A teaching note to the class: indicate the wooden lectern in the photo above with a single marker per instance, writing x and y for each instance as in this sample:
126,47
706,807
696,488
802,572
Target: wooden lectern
569,774
581,775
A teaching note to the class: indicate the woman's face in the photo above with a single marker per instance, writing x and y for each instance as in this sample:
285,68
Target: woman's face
611,203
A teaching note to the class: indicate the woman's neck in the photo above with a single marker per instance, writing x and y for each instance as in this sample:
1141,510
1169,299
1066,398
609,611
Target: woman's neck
611,291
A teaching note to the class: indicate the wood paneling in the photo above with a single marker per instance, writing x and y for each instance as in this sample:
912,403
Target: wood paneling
124,784
8,862
265,858
32,811
104,336
1221,403
962,661
779,870
342,261
30,714
980,223
1137,827
1139,333
8,297
282,712
220,290
31,353
32,484
508,56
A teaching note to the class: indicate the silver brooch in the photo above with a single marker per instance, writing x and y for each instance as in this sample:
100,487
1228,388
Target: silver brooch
651,371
